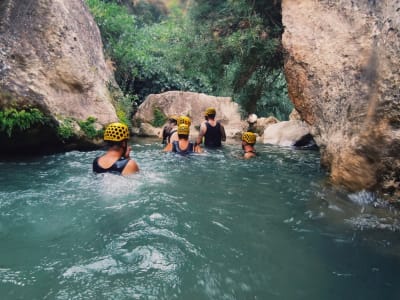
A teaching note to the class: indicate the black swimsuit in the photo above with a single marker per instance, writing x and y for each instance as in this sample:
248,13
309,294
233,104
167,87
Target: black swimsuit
116,167
176,149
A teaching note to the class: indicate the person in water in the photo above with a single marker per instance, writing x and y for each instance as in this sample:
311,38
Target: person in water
169,129
248,142
116,160
181,120
212,131
183,145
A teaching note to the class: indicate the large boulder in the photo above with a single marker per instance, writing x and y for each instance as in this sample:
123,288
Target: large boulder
285,133
51,58
192,105
343,71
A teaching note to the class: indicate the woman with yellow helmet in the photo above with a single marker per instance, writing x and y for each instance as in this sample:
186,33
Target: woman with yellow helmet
248,142
116,160
180,120
182,145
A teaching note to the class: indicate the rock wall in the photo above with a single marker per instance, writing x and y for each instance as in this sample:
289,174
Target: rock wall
343,71
51,57
193,105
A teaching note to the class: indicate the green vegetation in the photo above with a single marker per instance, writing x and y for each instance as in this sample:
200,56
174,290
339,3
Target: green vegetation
12,119
159,118
89,129
218,47
124,104
65,129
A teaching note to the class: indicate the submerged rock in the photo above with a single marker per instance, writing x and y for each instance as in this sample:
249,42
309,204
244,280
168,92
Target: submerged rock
343,72
51,58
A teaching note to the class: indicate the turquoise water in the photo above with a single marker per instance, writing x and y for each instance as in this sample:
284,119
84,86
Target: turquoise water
210,226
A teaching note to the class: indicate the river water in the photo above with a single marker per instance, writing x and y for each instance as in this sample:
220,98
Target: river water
209,226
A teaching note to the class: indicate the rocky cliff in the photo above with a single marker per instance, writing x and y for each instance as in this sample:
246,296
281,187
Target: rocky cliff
51,58
343,71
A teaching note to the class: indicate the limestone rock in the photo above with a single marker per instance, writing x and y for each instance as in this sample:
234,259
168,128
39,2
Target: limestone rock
294,115
146,130
285,133
261,124
194,106
343,71
51,58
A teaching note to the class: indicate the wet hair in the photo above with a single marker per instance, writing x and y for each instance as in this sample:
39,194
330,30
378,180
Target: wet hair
211,116
112,144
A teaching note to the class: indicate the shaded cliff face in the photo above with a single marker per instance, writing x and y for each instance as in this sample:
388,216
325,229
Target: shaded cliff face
343,71
51,58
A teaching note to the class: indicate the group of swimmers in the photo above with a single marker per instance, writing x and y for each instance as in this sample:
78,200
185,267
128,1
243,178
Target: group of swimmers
175,136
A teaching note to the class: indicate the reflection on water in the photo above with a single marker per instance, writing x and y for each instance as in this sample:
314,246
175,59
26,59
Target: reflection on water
209,226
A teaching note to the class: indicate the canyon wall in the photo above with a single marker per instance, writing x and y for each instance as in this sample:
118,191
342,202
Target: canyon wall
343,71
51,58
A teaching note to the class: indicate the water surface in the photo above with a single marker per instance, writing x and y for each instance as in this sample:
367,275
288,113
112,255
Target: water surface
209,226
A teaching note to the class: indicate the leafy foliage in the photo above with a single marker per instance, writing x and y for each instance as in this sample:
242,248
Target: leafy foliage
124,104
89,129
12,119
65,129
219,47
145,56
159,118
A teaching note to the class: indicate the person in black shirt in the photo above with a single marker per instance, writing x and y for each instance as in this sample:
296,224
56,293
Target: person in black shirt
169,129
212,131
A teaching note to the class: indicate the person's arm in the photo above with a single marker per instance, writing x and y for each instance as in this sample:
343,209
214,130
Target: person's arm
203,130
168,148
198,149
223,135
130,168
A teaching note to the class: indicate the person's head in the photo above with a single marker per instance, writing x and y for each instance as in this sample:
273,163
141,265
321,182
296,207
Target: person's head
184,120
249,138
116,135
183,131
210,113
173,120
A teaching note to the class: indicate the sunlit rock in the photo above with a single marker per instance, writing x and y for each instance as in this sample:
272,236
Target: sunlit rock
192,105
343,71
285,133
51,58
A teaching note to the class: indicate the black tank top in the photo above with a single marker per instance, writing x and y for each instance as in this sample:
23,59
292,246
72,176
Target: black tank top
116,168
213,136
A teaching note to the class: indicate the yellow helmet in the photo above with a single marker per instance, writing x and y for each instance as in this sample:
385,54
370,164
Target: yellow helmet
116,132
210,111
184,120
183,129
249,137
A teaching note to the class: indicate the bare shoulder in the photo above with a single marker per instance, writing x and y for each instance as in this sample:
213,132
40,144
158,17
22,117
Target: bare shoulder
131,167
